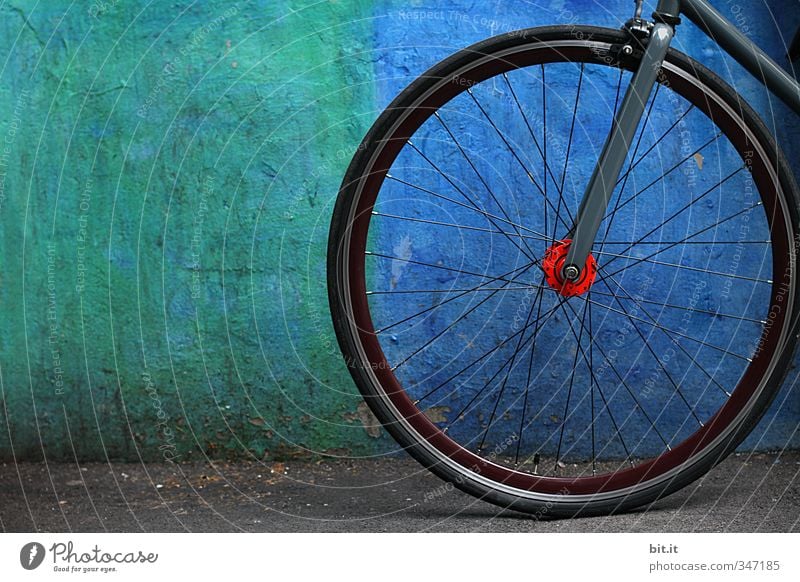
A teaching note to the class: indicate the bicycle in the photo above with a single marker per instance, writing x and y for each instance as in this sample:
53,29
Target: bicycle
558,341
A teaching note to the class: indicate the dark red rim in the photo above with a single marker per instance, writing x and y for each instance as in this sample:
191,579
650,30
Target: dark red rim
648,470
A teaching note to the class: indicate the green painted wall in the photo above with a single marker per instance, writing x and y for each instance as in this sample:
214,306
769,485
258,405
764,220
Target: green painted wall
167,177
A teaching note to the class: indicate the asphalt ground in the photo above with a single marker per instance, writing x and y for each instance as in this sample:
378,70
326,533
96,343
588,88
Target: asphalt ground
746,493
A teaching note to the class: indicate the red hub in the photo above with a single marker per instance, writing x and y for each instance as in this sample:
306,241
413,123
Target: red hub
553,265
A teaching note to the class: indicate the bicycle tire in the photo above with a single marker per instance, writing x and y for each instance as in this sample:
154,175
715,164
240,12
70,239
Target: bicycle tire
603,45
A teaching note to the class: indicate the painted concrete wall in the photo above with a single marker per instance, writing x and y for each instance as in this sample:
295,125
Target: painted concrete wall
416,31
168,173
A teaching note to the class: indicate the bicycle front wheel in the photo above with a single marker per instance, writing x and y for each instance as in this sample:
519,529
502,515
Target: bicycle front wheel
443,266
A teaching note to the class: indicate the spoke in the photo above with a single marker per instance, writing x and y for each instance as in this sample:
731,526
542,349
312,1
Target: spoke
572,130
680,211
449,299
683,308
539,237
476,209
508,372
630,167
530,130
686,242
467,198
667,173
616,107
673,340
433,266
514,153
527,388
544,318
698,233
658,141
560,186
617,427
478,174
687,267
638,405
616,101
592,382
544,142
713,313
571,383
445,291
633,319
461,318
489,382
668,330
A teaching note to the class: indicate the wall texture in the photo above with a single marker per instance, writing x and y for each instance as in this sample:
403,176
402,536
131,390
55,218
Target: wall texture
167,173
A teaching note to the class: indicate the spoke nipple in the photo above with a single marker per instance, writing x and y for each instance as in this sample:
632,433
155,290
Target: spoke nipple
445,429
370,292
749,359
415,402
367,252
669,448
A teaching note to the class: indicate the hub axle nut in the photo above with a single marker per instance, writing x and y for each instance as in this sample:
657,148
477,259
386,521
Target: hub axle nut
571,272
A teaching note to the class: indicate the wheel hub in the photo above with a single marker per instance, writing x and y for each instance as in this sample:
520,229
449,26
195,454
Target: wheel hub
553,266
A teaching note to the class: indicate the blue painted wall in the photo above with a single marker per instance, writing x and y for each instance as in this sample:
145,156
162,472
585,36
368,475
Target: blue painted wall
415,35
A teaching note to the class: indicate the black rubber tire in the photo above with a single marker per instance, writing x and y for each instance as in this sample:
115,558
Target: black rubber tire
339,230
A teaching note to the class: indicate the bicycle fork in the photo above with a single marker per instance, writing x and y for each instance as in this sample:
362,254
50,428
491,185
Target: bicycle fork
597,196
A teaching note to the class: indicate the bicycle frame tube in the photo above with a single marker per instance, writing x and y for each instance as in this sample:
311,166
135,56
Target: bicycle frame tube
746,53
595,201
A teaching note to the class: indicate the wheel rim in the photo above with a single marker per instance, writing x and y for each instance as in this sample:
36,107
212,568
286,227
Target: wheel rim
431,433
